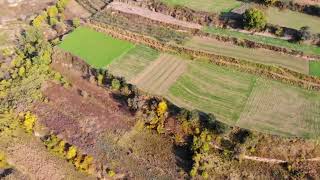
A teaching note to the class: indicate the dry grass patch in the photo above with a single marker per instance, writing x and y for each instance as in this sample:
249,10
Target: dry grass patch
254,55
134,62
161,74
212,89
281,109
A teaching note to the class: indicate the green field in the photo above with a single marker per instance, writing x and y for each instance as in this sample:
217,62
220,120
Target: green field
216,6
314,67
96,48
308,49
133,62
212,89
254,55
293,19
234,97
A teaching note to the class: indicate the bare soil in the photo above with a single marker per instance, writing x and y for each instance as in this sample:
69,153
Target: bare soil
81,119
127,8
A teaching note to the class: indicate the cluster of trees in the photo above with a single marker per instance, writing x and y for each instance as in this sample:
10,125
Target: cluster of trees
54,16
81,161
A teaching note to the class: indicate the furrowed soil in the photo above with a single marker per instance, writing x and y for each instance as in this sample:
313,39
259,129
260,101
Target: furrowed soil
255,55
161,74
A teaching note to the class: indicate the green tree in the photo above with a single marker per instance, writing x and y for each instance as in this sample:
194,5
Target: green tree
115,84
254,19
52,11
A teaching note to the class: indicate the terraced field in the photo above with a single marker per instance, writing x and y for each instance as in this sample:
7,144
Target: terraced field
255,55
132,63
293,19
212,89
280,109
235,98
216,6
161,74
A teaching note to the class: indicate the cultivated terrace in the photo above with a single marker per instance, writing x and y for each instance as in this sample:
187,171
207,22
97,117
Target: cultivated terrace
159,89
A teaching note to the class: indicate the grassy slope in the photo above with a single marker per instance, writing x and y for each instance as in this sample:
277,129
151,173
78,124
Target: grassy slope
293,19
216,6
277,108
254,55
210,88
308,49
132,63
96,48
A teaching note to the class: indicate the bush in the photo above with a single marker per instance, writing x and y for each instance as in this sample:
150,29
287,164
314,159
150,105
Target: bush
304,34
29,121
115,84
76,22
254,19
71,153
53,21
269,2
52,11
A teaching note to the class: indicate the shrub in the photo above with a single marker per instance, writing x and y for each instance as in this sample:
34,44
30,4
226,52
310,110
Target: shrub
304,34
53,21
29,121
115,84
71,153
22,71
52,11
162,108
254,19
269,2
76,22
111,173
100,79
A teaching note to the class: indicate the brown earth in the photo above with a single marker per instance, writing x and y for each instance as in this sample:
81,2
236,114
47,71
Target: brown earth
81,119
127,8
31,160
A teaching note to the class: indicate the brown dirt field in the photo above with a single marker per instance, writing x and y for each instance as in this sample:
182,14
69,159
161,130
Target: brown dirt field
126,8
81,120
161,74
74,10
29,156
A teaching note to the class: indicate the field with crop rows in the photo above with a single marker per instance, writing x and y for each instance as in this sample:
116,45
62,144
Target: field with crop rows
212,89
161,74
235,98
96,48
276,108
293,19
254,55
216,6
133,62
